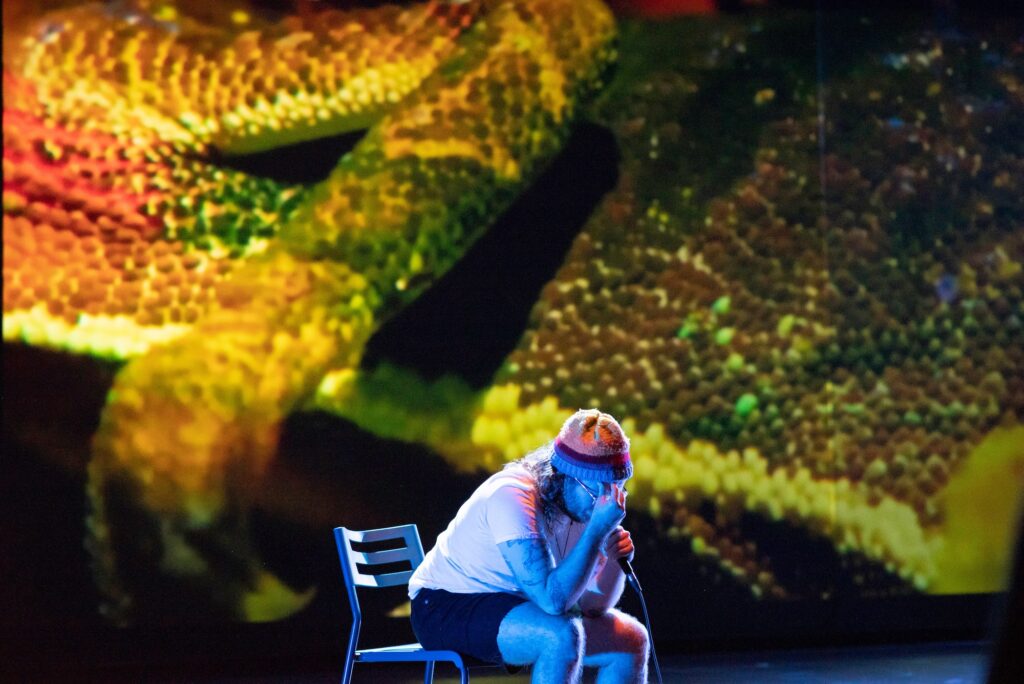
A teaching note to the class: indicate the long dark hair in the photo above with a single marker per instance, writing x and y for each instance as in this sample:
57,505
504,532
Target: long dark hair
550,482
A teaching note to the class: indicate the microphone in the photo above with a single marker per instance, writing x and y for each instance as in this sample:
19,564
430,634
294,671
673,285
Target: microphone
627,569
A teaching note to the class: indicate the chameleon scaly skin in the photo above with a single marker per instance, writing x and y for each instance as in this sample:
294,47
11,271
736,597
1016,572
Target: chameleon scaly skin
248,319
781,362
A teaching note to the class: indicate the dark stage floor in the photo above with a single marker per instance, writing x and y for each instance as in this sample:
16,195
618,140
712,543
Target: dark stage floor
945,663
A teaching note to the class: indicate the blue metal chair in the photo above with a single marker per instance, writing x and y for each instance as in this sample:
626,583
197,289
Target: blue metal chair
411,551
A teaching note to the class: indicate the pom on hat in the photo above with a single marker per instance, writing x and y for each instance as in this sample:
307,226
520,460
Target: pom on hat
592,446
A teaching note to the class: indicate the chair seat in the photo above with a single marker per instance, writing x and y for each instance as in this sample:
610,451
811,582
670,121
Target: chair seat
405,652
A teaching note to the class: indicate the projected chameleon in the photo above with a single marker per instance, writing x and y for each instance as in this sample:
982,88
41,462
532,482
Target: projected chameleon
231,298
234,300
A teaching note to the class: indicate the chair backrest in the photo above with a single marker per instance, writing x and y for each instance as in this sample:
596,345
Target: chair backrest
411,551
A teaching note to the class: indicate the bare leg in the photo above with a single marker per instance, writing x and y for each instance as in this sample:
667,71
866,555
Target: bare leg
552,644
616,644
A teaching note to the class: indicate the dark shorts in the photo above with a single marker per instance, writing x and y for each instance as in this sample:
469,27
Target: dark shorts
466,623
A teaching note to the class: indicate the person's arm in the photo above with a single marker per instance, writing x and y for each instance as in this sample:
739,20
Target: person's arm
610,581
557,589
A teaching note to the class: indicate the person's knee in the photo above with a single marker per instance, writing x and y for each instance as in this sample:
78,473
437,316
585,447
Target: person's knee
635,639
569,638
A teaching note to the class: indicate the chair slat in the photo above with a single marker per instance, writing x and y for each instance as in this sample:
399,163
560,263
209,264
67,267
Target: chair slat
390,579
382,534
386,556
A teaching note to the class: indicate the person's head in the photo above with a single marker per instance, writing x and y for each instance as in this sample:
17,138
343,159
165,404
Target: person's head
592,453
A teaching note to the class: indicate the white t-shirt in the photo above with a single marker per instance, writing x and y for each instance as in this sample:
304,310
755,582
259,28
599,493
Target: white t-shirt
466,558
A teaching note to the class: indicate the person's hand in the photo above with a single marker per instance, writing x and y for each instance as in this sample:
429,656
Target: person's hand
619,544
609,508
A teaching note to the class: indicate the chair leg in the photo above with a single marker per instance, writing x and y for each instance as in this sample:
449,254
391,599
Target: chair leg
428,675
346,677
464,674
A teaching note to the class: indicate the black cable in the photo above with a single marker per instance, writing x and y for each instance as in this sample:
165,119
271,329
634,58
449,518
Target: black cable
633,582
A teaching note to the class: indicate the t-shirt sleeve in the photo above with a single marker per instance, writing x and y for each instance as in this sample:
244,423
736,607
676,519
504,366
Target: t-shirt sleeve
512,513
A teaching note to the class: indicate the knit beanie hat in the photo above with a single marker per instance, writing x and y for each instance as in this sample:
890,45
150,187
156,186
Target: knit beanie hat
592,446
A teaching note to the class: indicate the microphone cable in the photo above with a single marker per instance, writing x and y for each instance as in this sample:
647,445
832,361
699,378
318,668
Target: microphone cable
633,582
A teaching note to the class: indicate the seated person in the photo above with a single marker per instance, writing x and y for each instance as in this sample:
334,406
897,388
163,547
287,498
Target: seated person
527,572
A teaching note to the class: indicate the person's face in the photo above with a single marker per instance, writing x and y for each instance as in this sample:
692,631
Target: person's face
581,495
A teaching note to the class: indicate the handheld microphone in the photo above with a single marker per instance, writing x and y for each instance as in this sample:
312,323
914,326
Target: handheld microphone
627,569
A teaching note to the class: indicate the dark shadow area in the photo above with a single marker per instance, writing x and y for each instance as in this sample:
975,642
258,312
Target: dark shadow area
51,408
686,85
304,163
328,473
1007,630
45,570
470,320
722,127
